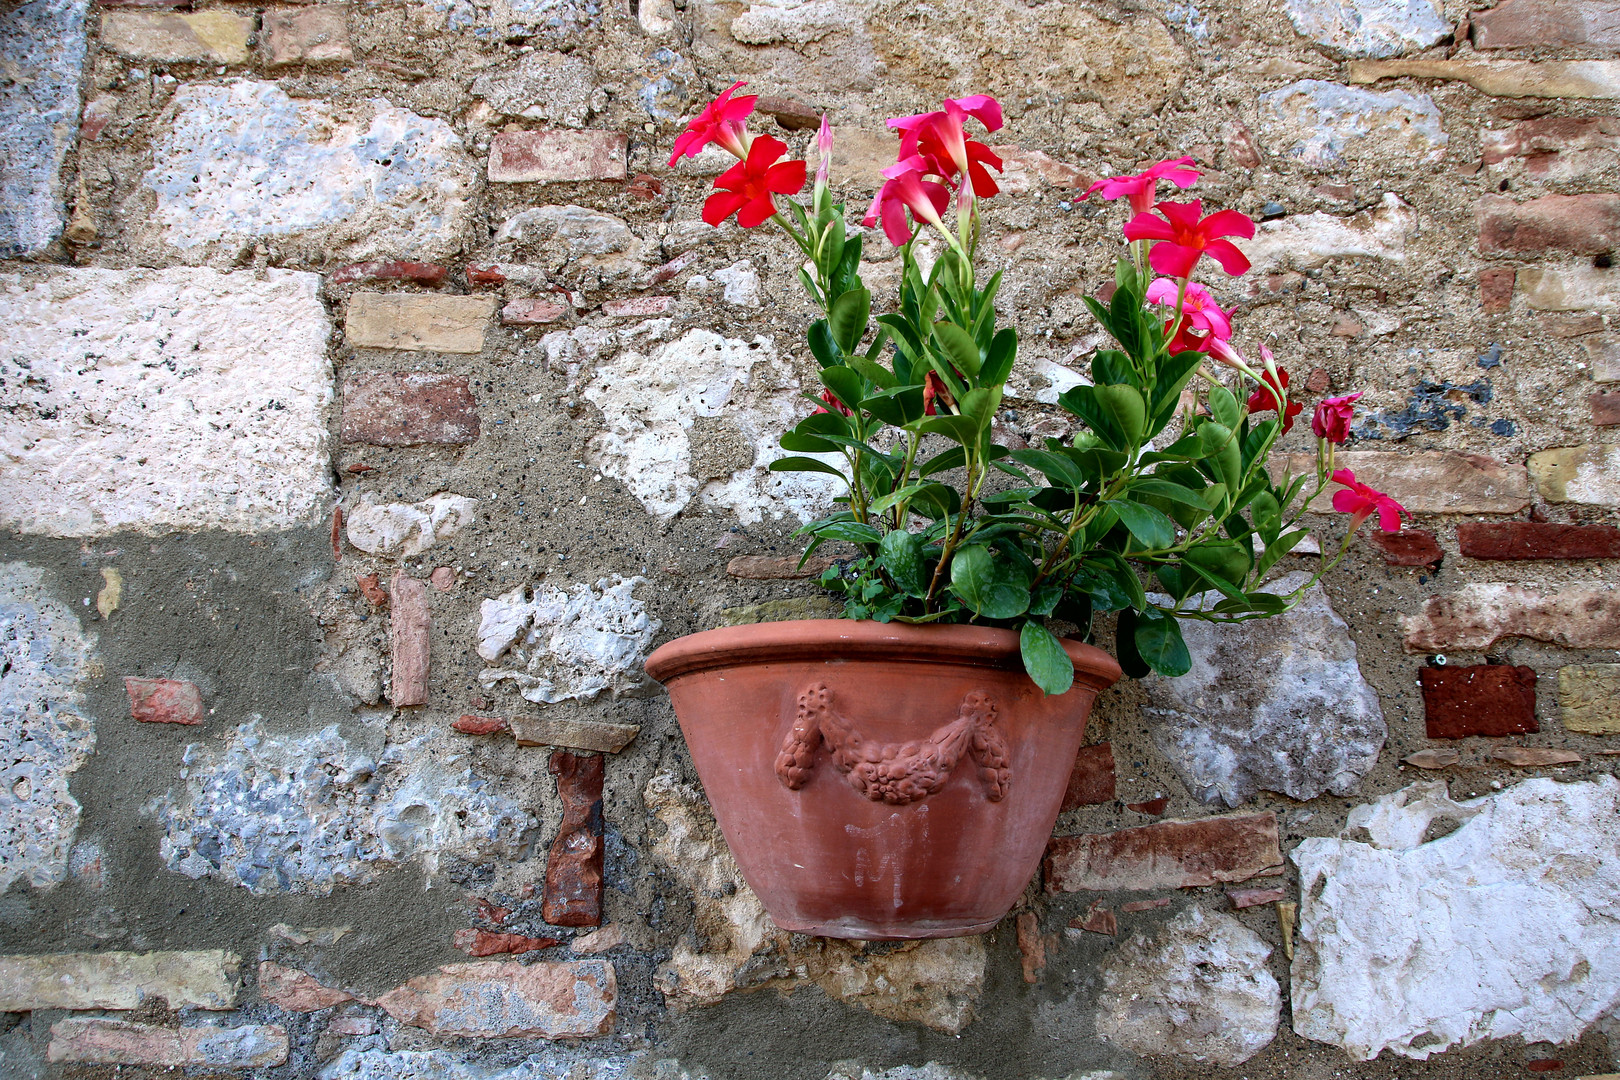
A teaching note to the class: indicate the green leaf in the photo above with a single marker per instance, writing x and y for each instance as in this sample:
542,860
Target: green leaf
1130,659
1266,515
845,384
799,443
954,458
1043,599
1111,366
993,588
1177,580
1058,468
1082,402
1124,406
1224,407
1159,643
905,337
806,464
958,347
1278,548
962,429
1044,658
848,318
901,554
936,500
1224,559
898,407
822,345
873,372
849,531
1100,589
1174,492
1152,528
998,362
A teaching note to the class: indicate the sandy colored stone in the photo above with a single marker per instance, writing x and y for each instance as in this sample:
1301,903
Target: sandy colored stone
1309,241
1426,482
312,35
1433,759
297,991
213,37
1504,78
1589,698
1578,474
1479,614
494,999
599,941
1581,287
206,979
118,1042
418,322
600,735
1535,756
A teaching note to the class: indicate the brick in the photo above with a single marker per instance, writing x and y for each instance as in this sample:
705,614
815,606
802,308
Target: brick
1481,613
556,155
1165,855
1409,547
1025,170
366,273
1154,807
164,701
1092,781
1578,474
1522,23
1605,409
211,37
1589,698
205,979
1482,699
1572,326
1535,756
771,568
443,578
410,640
495,999
297,991
480,725
99,1041
1496,289
371,588
486,275
1031,949
645,187
408,409
1537,540
573,895
1246,898
600,735
1591,79
1433,759
1603,353
1144,905
1097,920
314,35
1570,288
475,942
1577,224
600,941
790,113
674,268
531,312
1427,482
1555,146
418,322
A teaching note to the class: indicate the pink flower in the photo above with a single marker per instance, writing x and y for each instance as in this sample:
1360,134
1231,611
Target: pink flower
1142,187
1186,237
831,399
1202,320
748,188
720,122
906,189
941,140
1361,502
1270,395
824,152
1331,421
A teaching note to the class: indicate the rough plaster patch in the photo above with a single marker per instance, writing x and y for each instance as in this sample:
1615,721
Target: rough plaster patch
281,814
243,160
1320,123
442,1065
1523,896
1377,28
573,645
396,529
43,46
163,399
1307,241
44,738
541,86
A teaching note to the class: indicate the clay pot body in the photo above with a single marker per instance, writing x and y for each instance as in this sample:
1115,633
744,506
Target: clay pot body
879,781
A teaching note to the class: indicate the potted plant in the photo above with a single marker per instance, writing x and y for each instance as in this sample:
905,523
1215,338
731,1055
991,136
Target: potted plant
895,774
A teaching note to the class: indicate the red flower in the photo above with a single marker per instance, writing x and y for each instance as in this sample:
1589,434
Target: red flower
905,189
832,399
1141,188
1202,320
1270,395
746,188
720,122
1187,237
934,390
1361,502
1331,421
940,139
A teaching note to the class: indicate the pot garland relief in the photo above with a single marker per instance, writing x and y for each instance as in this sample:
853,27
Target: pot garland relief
954,527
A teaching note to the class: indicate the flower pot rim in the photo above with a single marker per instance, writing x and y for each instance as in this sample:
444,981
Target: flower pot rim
851,639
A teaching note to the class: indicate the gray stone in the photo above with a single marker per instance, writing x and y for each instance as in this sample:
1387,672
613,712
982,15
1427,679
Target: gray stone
543,86
559,236
548,1063
1375,28
1199,989
44,735
1276,704
1322,123
43,43
406,529
1517,893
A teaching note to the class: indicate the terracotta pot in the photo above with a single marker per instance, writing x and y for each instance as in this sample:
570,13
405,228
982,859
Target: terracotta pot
879,781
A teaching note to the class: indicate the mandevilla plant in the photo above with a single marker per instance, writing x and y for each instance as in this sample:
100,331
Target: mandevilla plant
1161,508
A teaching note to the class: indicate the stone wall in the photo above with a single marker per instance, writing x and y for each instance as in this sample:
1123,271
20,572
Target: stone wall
375,400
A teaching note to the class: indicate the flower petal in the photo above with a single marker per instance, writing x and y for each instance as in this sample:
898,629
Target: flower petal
1148,227
1172,259
721,205
1226,253
1228,223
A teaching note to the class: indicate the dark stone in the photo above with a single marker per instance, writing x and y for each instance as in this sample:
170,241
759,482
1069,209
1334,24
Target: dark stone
1482,699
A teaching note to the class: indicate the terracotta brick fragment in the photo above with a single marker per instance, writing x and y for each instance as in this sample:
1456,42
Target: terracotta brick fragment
366,273
1523,23
408,409
371,588
410,640
556,155
1144,905
1165,855
645,187
485,275
771,568
1606,408
1496,289
1244,898
164,701
480,725
791,114
296,991
352,1025
503,999
1155,807
1481,613
1481,699
1577,224
476,942
1097,920
1541,1065
337,532
1537,540
1535,757
490,913
573,894
105,1041
1092,781
443,578
673,269
1240,147
1545,136
1031,949
1318,381
1409,547
531,312
316,35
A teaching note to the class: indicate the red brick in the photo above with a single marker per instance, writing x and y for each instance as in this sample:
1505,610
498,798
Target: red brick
503,999
1496,289
105,1041
791,114
296,991
1243,898
1571,326
1409,547
408,409
1031,949
573,894
315,35
1482,613
1521,23
164,701
672,269
1537,540
1144,905
1318,381
1153,807
638,307
485,275
645,187
1165,855
410,640
1544,138
480,725
1092,780
1535,757
1578,224
364,273
1482,699
531,312
771,568
1097,920
1240,147
556,155
371,588
476,942
1606,408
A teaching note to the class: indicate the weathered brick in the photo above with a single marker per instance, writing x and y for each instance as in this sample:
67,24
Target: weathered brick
1589,698
1481,613
1572,326
366,273
596,942
480,725
118,980
1433,759
313,35
774,568
674,268
408,409
1535,756
556,155
164,701
1409,547
1244,898
475,942
1481,699
1598,79
1165,855
531,312
494,999
1496,289
1031,948
1578,224
1556,147
1578,474
790,113
101,1041
1427,482
486,275
1092,780
1603,352
297,991
1537,540
573,895
1097,920
574,734
212,37
1516,24
410,640
1605,409
638,307
1025,170
1570,288
418,322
